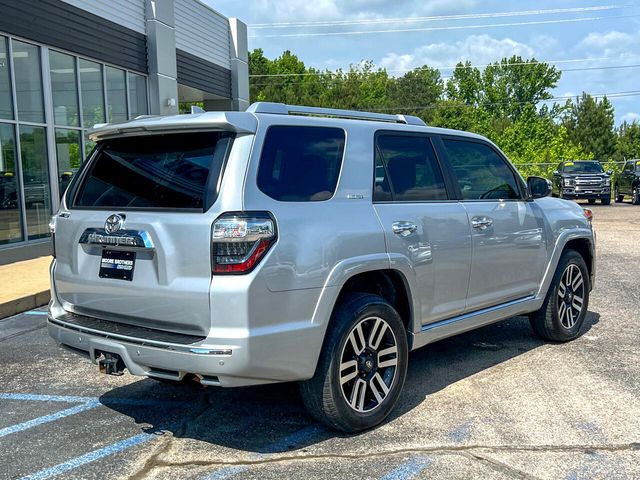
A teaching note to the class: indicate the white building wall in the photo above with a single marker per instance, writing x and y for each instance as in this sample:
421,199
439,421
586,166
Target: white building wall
128,13
203,32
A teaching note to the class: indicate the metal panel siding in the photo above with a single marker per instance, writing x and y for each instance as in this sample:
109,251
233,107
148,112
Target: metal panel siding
203,75
128,13
202,32
58,24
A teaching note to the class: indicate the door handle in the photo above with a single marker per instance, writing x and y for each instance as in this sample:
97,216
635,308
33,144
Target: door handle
404,229
481,223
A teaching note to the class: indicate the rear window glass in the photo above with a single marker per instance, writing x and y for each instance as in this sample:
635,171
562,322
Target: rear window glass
301,164
175,171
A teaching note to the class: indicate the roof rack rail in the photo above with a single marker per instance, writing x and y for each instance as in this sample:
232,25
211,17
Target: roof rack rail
282,109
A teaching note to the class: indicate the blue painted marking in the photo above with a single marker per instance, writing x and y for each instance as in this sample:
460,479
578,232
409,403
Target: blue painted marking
49,418
461,433
294,439
90,457
45,398
408,469
36,312
105,401
226,472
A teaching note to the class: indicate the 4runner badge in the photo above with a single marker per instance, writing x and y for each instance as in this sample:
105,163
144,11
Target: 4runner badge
114,223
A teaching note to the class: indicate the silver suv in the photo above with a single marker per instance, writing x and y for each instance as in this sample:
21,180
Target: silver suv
301,244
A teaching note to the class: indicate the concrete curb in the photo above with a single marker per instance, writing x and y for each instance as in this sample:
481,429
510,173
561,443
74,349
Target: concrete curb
19,305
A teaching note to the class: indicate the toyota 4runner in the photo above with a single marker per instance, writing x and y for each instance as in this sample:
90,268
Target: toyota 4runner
302,244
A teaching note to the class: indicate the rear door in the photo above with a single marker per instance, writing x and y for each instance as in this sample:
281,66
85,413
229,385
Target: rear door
422,223
509,251
134,243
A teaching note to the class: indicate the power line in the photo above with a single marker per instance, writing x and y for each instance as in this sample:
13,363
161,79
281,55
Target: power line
629,93
333,78
537,62
378,21
433,29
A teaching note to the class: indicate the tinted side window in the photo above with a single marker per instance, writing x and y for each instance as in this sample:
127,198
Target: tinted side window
628,167
301,164
481,173
407,169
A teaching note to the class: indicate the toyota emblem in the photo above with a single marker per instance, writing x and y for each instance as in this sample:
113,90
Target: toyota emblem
114,223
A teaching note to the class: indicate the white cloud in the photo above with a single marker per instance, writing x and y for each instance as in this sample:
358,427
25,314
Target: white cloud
270,11
609,41
479,49
619,47
631,117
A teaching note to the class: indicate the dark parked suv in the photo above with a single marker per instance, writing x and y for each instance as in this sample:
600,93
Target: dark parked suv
628,183
582,179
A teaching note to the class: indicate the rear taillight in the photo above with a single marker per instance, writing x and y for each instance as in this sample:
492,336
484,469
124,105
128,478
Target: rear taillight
588,215
240,240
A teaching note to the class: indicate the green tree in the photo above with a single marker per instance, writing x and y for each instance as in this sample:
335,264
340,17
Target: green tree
628,145
417,92
465,85
513,83
591,124
536,143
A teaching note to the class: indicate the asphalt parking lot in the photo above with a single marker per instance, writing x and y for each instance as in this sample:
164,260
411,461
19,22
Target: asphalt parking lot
494,403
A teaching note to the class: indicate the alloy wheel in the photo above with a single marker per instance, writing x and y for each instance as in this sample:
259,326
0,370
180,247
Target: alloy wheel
368,364
570,296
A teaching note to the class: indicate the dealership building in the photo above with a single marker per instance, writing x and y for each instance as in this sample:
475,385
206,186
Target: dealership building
66,65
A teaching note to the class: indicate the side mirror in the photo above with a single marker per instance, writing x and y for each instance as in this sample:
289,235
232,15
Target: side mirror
609,172
539,187
556,172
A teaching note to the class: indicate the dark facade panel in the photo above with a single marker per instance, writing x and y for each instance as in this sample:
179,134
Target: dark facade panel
203,75
58,24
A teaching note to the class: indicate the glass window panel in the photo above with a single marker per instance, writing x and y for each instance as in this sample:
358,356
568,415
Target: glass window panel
137,95
301,164
28,77
6,101
68,156
91,88
154,171
481,173
10,224
116,95
413,171
64,88
33,147
89,145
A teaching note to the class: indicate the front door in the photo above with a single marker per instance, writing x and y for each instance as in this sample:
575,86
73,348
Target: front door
423,226
509,251
626,179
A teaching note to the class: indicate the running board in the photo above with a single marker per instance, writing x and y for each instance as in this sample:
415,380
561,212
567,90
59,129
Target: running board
433,332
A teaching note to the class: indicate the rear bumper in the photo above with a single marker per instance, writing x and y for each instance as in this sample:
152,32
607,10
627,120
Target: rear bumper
214,364
226,357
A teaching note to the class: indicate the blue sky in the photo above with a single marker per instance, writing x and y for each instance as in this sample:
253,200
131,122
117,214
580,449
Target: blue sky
599,34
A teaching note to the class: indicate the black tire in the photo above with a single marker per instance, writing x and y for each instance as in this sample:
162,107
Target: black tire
606,201
547,322
619,198
324,396
592,201
635,196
